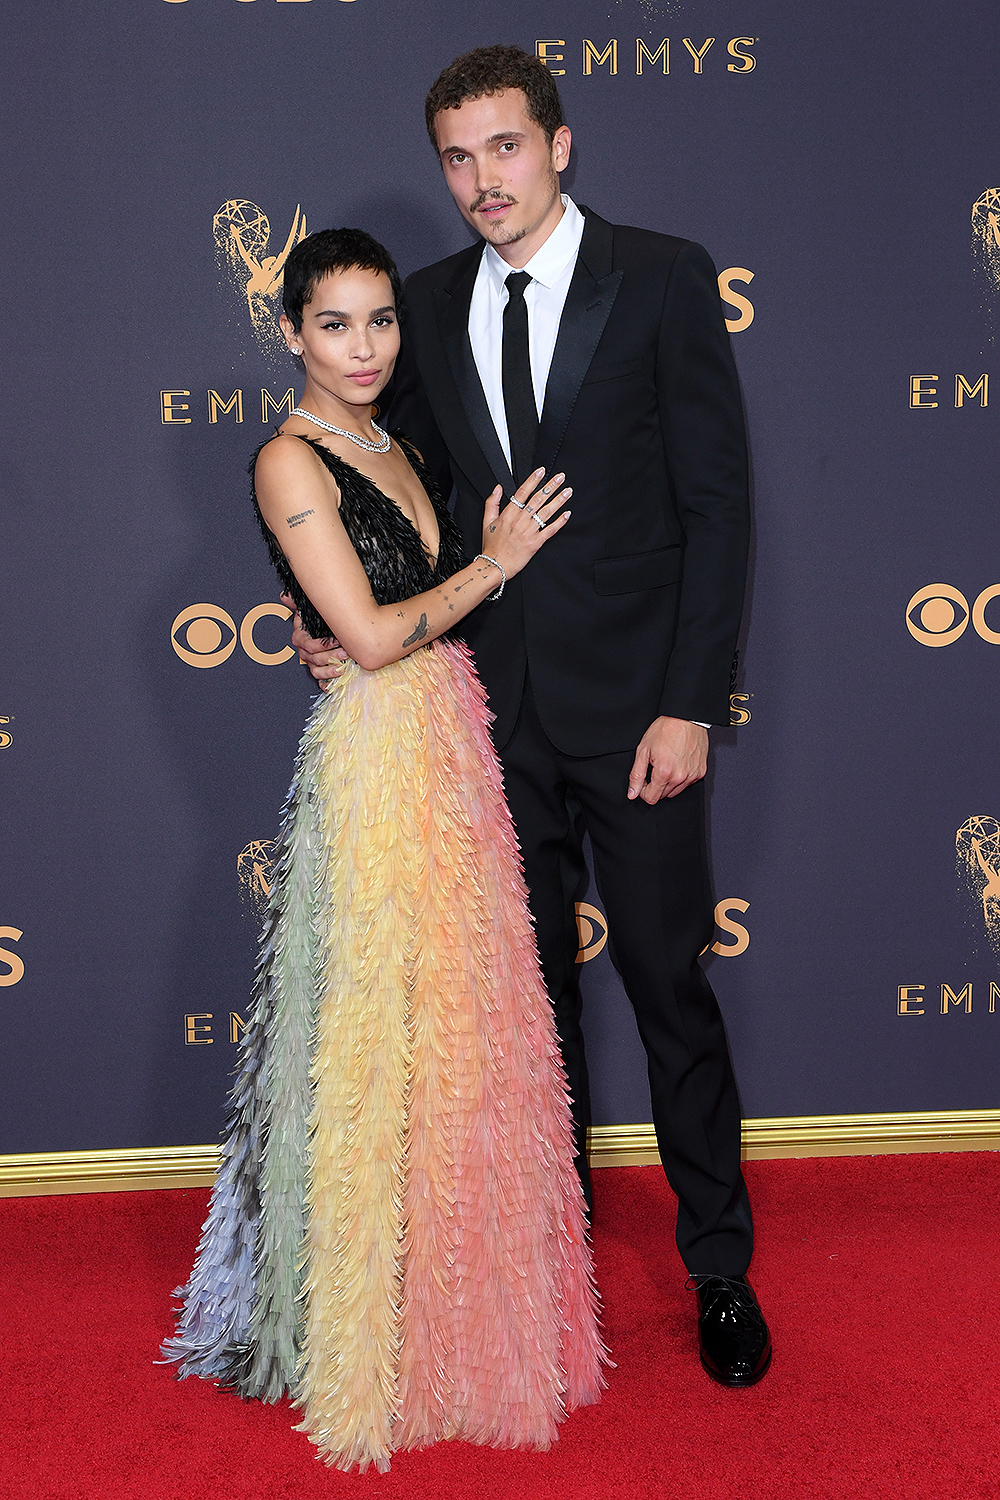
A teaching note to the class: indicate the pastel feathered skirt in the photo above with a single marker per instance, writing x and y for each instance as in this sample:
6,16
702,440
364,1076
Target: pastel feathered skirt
396,1236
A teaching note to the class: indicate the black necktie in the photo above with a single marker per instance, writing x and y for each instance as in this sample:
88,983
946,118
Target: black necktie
518,391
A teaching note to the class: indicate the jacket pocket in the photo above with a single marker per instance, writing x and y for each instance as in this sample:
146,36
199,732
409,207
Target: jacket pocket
642,570
613,371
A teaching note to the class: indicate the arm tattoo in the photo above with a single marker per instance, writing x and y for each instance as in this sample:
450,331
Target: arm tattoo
299,517
419,631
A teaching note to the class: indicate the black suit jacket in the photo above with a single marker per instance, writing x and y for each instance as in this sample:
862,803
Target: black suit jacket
633,609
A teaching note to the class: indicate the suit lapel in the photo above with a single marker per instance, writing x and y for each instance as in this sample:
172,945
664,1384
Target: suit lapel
585,314
451,305
588,305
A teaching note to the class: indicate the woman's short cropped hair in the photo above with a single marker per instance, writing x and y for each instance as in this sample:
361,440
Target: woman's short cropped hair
331,250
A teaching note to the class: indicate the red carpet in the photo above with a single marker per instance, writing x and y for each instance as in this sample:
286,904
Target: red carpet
878,1275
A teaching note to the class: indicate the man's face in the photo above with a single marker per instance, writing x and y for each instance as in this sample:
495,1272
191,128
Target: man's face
502,172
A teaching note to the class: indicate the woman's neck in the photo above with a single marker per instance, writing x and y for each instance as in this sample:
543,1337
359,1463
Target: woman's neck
356,419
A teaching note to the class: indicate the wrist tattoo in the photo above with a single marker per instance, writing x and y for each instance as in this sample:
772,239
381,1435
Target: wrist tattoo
299,517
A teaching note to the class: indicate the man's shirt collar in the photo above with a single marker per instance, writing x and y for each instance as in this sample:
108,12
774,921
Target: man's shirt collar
548,262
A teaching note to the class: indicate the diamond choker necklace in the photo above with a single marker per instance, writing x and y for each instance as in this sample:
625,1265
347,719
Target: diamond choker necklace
382,446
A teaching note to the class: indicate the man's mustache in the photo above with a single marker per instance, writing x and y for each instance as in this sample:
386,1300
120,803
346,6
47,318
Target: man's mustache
493,197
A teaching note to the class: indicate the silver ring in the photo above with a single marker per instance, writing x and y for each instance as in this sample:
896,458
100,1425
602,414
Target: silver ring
538,521
520,504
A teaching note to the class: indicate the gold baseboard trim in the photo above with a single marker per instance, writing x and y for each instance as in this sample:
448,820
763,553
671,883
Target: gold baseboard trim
49,1172
42,1172
820,1135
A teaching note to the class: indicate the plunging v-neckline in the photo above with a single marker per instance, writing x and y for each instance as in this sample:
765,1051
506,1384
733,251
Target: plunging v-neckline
432,559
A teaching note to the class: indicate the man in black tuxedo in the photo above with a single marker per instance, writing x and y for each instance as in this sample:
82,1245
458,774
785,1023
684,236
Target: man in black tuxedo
606,358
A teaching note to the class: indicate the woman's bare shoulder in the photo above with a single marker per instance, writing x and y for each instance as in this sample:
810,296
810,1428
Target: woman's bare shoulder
286,454
289,472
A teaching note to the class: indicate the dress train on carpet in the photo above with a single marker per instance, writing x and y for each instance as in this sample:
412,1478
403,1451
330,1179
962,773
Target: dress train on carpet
397,1233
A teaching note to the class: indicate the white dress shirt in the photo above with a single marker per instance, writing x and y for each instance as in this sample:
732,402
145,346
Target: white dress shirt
551,270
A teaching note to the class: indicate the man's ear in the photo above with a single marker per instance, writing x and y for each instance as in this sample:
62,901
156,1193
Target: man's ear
562,143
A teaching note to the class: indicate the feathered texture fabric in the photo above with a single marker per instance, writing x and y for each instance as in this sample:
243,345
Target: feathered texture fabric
241,1317
397,1232
399,1159
384,538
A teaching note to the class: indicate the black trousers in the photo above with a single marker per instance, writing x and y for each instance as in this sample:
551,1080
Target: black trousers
650,865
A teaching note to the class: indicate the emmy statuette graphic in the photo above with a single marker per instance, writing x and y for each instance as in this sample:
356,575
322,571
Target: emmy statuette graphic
253,869
986,242
977,855
242,232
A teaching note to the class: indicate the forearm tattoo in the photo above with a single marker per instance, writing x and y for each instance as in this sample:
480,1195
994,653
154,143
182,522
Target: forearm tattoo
419,631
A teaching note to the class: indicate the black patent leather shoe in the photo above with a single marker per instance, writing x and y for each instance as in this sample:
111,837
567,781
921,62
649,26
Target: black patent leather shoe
735,1343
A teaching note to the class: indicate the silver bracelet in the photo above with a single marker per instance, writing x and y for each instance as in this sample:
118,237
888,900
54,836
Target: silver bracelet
481,557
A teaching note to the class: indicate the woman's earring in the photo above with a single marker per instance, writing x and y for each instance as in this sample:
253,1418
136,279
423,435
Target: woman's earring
296,351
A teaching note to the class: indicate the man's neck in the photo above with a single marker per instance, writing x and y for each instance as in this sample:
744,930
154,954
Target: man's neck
521,251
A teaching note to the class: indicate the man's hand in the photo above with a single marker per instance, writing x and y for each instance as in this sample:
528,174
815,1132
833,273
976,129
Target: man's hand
324,658
673,753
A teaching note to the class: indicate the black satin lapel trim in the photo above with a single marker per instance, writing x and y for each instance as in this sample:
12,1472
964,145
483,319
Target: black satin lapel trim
585,315
452,310
597,244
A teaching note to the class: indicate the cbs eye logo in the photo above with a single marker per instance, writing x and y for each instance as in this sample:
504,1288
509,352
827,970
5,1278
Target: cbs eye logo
203,635
592,926
938,614
593,929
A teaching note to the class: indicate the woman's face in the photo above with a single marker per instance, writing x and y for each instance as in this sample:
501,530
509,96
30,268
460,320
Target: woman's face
349,337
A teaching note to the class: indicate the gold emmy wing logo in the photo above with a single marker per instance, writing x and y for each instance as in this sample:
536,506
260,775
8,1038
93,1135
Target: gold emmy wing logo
977,856
986,235
242,232
253,870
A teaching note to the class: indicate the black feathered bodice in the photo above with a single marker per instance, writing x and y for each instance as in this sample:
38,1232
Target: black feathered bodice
385,540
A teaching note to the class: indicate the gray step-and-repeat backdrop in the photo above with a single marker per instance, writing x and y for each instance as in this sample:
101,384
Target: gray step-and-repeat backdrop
840,164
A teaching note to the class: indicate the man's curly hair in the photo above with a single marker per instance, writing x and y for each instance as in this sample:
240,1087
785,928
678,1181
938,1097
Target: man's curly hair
491,70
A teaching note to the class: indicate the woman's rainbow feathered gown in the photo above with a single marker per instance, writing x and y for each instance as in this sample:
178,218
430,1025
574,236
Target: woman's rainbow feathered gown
396,1235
